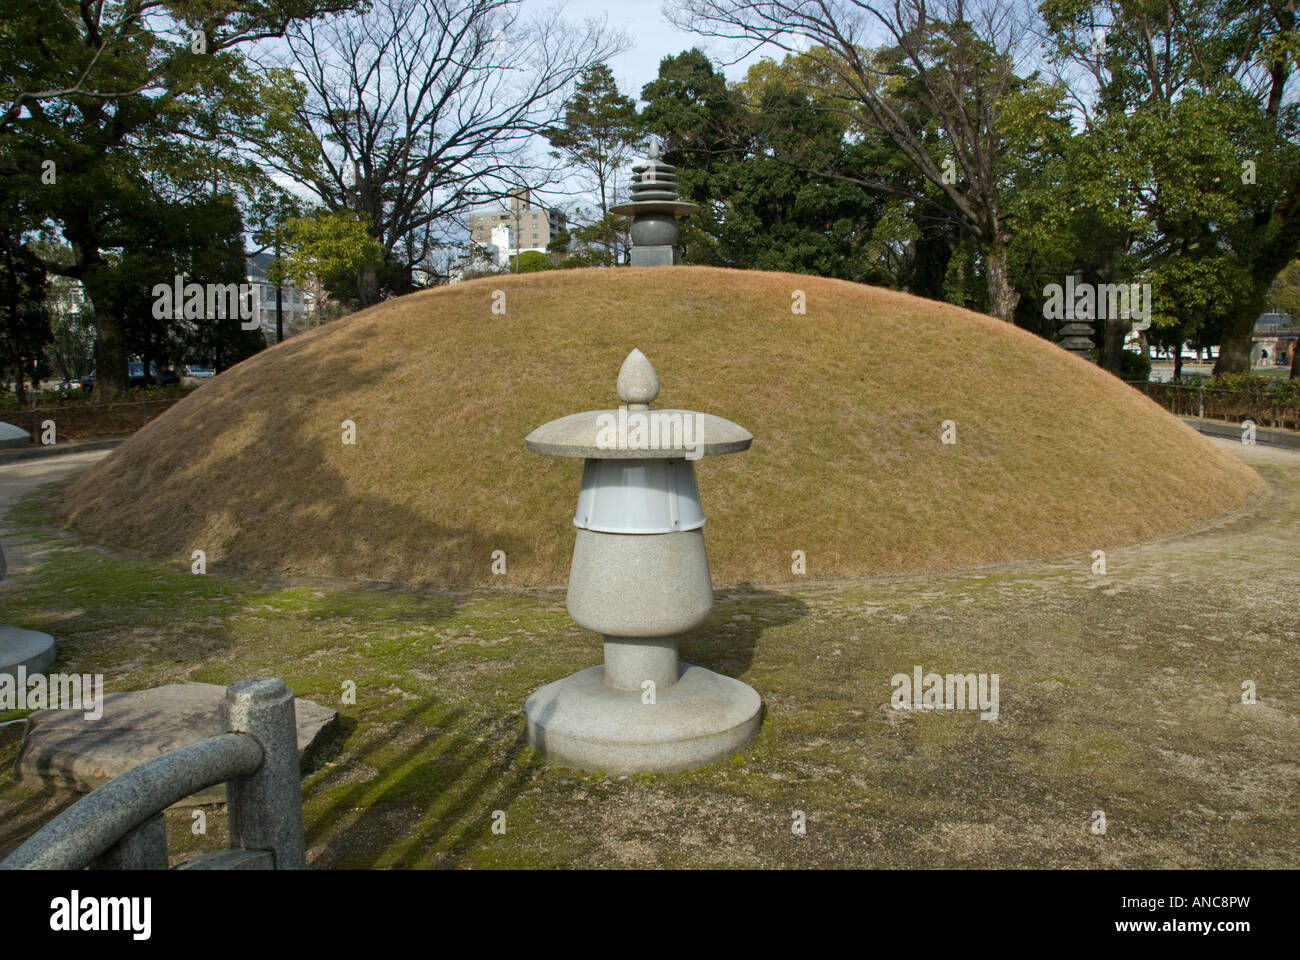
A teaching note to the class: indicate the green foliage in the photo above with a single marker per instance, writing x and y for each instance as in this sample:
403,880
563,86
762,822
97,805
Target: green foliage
743,152
530,261
1195,166
1135,367
335,246
600,127
1284,295
115,131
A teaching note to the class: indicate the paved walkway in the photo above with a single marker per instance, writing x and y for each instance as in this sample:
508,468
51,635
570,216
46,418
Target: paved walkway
20,478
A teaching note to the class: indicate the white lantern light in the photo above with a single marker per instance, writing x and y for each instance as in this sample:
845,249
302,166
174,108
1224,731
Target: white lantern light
639,496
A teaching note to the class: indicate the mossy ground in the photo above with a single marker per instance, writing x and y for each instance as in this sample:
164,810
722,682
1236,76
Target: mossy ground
1119,693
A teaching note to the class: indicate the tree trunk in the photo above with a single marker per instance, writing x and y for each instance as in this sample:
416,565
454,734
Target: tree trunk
368,285
1295,360
1003,298
1112,344
1178,362
110,353
1234,350
110,347
18,374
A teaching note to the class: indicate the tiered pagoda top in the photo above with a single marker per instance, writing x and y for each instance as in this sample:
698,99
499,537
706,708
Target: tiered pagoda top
654,188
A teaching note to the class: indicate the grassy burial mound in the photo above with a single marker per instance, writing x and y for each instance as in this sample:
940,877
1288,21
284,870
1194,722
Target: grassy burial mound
846,402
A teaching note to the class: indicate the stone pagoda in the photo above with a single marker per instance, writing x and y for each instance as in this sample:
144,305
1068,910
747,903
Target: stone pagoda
1076,336
654,209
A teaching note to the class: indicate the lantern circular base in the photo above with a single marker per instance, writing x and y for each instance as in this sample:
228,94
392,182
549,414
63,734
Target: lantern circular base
25,650
582,722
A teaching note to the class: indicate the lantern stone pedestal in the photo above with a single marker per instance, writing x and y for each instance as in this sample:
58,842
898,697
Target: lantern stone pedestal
23,652
583,721
640,578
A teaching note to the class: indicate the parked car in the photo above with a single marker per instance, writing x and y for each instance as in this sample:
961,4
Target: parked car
135,376
199,373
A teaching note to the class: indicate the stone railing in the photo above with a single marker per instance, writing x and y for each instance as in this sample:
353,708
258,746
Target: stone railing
119,826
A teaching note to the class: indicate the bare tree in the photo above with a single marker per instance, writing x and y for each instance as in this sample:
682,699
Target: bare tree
951,63
418,110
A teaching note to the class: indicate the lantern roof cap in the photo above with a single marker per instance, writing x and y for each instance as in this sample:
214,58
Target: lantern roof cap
634,431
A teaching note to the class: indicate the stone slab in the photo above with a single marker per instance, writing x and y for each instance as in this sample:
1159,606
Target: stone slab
11,436
583,722
25,648
62,747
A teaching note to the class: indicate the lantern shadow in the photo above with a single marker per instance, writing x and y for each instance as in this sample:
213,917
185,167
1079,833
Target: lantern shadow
443,774
728,640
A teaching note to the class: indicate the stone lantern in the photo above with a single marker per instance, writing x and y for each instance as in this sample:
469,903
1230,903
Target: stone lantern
654,209
640,578
23,653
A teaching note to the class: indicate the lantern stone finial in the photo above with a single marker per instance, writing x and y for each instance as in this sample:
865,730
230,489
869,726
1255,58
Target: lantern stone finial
653,151
637,383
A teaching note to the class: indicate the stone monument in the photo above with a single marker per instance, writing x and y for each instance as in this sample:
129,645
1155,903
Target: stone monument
654,209
28,649
640,578
1076,336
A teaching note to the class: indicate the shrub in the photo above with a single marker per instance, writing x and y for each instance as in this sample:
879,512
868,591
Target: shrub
1134,366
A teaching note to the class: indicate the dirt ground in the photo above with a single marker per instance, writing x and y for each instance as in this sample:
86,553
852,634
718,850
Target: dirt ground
1120,697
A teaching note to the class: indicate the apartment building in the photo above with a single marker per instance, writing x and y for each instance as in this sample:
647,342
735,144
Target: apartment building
528,226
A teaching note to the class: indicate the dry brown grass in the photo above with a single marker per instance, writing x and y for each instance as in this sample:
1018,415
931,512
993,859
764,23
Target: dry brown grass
1054,456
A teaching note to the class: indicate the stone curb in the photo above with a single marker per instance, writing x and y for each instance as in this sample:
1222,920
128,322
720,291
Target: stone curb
1231,431
33,452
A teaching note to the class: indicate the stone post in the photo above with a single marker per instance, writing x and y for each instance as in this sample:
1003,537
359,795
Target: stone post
265,809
